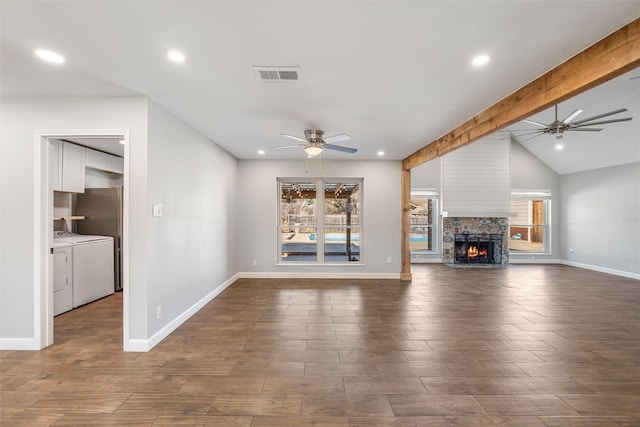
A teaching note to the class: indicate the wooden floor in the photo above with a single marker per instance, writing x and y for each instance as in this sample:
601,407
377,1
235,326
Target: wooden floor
516,346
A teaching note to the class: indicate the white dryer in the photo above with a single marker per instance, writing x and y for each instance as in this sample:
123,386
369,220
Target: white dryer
92,266
62,277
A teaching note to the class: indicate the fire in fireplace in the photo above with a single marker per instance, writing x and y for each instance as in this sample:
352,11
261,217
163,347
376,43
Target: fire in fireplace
478,248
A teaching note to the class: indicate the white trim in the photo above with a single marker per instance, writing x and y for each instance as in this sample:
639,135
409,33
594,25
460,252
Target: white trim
43,230
146,345
626,274
531,194
303,275
41,263
19,344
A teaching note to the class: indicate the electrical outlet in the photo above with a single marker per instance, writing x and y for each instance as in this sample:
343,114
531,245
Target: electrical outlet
157,210
255,262
158,312
388,260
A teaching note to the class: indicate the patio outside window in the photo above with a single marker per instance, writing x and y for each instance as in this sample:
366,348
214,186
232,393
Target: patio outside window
320,226
424,222
529,225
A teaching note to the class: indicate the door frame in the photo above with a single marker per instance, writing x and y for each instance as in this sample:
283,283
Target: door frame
43,228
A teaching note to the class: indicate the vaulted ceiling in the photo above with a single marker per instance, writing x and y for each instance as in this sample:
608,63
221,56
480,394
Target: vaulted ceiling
395,75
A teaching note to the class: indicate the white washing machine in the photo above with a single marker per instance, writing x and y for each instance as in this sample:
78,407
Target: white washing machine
92,266
62,276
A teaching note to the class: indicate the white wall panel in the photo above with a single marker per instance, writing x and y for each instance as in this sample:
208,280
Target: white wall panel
476,180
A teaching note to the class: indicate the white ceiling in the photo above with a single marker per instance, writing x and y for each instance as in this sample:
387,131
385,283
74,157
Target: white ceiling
395,75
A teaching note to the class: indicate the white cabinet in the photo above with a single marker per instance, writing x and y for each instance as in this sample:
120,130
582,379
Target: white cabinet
104,162
95,159
67,166
55,167
115,164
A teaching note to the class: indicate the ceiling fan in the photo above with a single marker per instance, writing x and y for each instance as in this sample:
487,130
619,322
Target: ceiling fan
314,143
558,127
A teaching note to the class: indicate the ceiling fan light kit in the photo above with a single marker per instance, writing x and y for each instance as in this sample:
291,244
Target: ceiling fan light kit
313,150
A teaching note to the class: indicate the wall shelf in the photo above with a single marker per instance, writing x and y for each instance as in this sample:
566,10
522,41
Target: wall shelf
63,218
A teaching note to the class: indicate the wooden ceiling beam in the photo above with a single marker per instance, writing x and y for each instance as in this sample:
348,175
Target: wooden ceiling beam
612,56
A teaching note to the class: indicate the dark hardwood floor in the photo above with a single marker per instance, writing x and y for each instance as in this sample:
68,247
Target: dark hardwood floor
524,345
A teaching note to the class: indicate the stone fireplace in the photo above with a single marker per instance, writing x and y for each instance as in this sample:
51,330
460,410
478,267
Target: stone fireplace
474,241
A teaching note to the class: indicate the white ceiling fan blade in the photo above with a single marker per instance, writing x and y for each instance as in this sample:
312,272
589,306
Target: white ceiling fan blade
340,148
599,116
531,122
571,116
293,137
585,129
337,138
287,146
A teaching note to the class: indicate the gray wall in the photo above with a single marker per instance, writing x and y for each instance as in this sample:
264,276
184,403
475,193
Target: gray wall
600,212
175,261
529,172
258,220
427,175
192,246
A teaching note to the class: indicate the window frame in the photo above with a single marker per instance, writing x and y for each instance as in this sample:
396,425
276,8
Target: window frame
545,196
433,194
320,221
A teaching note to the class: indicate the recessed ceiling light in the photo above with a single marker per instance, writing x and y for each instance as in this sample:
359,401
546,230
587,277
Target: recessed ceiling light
559,146
380,153
261,152
175,56
122,141
49,56
480,60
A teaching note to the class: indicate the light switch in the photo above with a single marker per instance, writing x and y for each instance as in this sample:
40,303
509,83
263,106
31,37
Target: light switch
157,210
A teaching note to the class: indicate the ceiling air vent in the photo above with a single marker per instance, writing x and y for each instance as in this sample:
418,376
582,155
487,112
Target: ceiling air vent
278,74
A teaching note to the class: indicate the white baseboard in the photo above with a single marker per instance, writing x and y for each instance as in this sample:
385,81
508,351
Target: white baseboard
602,269
19,344
328,275
534,261
146,345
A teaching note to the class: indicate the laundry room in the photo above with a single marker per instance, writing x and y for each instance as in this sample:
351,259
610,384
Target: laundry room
87,182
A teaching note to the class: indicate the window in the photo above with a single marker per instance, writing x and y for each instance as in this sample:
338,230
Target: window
529,225
320,226
424,222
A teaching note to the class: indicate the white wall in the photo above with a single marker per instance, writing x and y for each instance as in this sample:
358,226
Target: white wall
21,118
529,172
192,249
476,179
600,214
257,216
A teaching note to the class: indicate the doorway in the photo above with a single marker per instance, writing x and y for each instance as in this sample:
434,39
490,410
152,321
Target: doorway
45,182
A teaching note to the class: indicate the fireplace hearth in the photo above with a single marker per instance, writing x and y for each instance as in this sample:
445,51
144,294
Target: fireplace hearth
470,248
